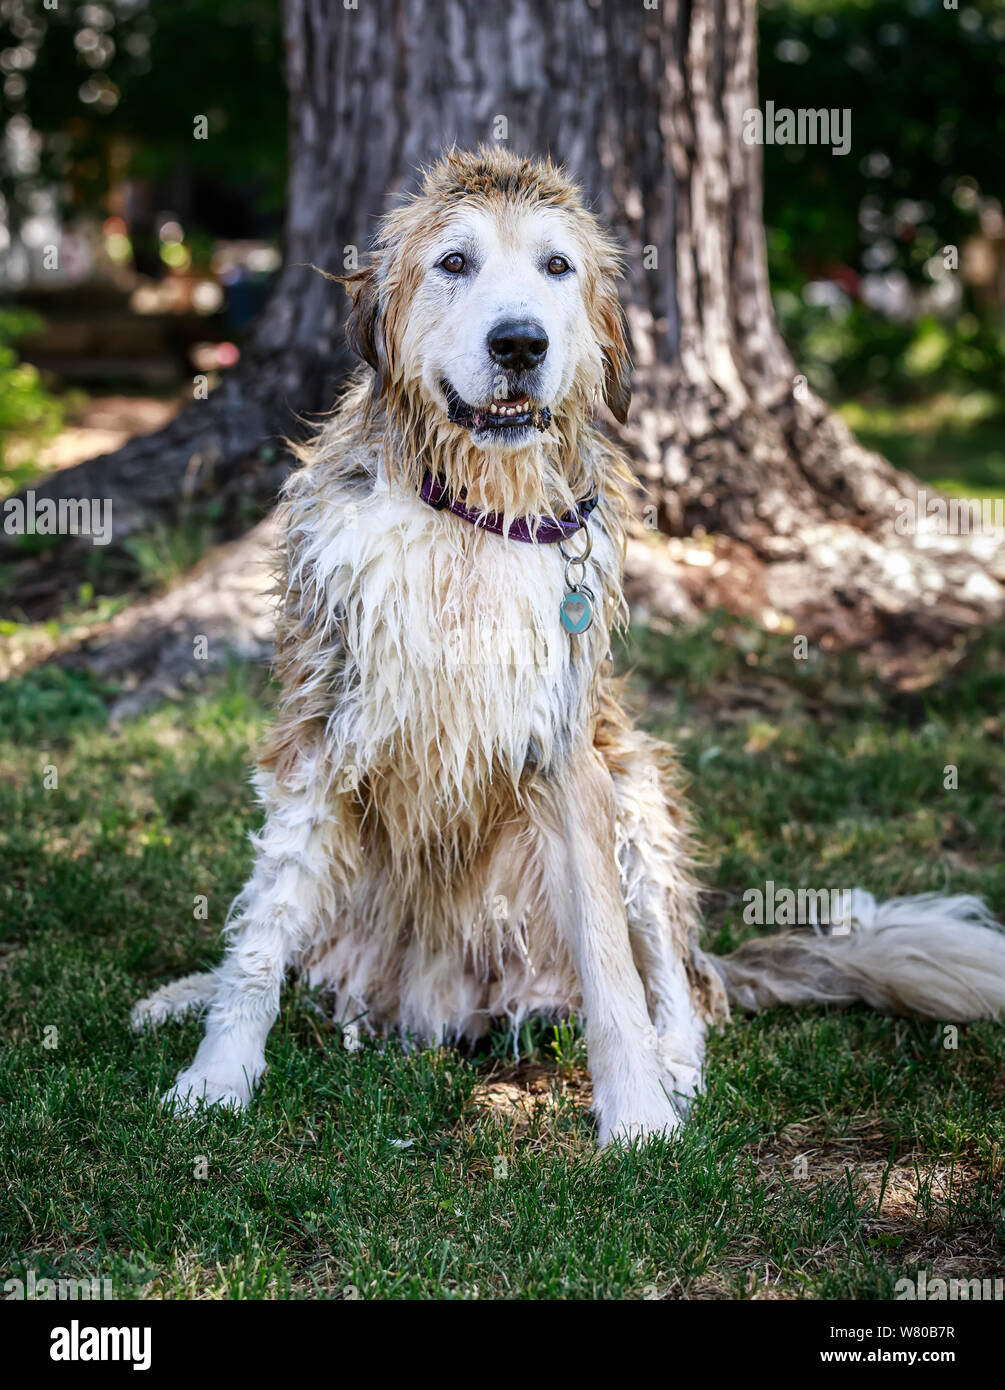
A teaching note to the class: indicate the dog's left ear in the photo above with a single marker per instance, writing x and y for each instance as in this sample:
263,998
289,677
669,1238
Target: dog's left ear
617,385
362,330
617,365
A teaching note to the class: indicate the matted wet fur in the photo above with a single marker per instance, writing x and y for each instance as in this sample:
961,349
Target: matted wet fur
461,824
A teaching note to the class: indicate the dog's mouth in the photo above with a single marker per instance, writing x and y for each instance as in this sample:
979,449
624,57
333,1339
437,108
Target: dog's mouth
509,413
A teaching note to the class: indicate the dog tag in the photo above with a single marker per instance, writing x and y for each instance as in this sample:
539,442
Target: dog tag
577,610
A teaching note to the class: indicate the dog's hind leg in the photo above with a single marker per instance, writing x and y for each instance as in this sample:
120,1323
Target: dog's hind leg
292,897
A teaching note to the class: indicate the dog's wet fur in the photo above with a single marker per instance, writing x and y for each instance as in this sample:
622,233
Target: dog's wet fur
461,824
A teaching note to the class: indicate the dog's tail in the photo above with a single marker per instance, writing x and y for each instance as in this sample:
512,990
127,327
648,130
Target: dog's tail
188,995
928,956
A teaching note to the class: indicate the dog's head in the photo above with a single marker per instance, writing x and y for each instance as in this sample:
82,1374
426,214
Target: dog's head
490,307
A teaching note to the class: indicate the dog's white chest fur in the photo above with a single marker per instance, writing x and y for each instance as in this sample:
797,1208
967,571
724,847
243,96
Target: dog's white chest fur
456,658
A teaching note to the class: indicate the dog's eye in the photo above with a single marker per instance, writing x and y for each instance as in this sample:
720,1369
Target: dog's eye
454,263
558,265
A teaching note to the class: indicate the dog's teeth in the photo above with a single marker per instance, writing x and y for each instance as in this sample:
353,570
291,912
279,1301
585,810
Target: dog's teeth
494,408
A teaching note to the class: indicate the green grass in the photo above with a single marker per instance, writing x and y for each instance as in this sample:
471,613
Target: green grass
955,443
832,1153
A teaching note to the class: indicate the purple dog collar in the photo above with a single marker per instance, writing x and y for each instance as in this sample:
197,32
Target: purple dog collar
549,529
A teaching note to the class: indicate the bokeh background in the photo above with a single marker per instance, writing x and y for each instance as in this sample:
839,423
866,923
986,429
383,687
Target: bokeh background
168,243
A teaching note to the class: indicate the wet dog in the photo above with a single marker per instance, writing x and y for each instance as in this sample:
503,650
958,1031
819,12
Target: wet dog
461,824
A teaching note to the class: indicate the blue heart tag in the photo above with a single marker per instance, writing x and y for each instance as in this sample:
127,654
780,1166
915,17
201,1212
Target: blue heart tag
576,612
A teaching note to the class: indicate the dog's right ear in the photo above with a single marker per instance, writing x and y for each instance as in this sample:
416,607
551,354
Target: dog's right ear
362,330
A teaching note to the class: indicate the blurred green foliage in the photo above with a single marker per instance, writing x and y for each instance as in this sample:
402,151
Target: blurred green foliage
29,412
114,86
926,91
925,88
857,351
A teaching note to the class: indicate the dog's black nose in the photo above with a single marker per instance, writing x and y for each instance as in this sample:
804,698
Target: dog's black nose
518,345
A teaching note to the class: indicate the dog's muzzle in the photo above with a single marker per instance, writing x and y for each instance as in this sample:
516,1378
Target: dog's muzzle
512,413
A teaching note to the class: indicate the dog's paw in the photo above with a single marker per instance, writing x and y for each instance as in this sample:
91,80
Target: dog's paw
187,995
644,1112
632,1129
681,1081
194,1089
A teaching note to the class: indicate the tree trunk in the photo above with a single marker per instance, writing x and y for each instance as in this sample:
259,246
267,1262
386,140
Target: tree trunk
645,105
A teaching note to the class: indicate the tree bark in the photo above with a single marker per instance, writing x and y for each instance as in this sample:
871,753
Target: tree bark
645,105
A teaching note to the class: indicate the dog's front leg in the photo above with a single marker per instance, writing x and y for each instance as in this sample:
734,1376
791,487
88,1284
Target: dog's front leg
292,893
630,1085
231,1057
